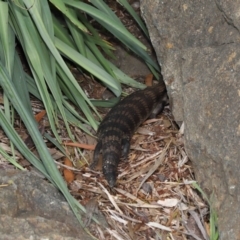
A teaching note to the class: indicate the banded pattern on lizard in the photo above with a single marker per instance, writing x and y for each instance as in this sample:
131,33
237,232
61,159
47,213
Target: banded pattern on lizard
116,129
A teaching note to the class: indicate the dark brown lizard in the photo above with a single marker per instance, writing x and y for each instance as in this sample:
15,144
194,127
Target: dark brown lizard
116,130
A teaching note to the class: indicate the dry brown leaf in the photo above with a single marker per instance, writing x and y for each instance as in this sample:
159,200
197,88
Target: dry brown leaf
40,115
168,202
149,80
80,145
67,173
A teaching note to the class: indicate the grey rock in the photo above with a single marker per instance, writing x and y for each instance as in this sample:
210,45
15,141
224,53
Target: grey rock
129,63
32,208
197,45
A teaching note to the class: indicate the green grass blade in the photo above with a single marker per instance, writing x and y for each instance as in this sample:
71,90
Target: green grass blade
136,17
82,40
214,234
71,114
20,145
33,131
89,66
62,33
106,103
19,81
95,37
61,7
102,60
103,7
7,37
49,43
7,49
12,160
32,46
108,20
64,36
70,89
116,29
76,34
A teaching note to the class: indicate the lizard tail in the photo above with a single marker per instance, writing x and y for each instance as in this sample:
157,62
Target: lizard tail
111,155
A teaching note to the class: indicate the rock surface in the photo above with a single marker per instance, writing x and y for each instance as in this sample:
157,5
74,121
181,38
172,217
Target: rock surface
31,208
197,45
124,61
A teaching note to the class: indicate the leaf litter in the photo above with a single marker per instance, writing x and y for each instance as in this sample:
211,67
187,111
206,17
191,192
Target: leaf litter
154,197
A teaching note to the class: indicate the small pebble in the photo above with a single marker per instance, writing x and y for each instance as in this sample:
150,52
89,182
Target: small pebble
147,188
161,177
136,5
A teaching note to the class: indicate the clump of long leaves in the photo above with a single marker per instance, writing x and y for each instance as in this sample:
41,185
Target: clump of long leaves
213,231
45,39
